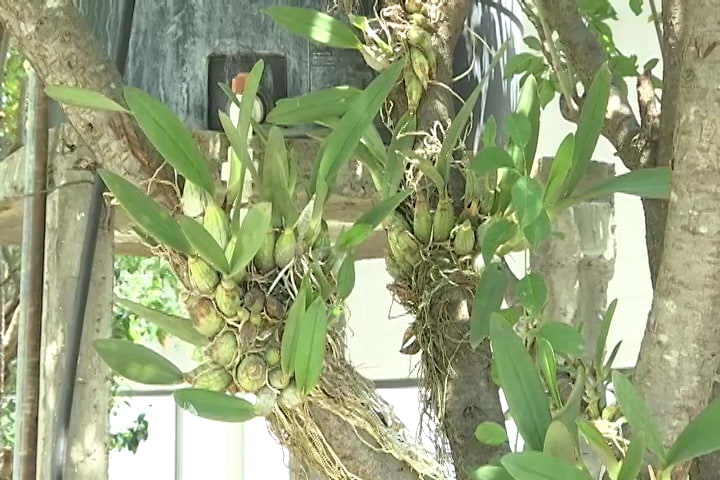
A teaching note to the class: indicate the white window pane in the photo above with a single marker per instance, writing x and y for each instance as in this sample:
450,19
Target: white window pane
209,449
264,457
155,457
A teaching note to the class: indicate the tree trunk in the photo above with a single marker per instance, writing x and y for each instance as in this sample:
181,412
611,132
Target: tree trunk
680,348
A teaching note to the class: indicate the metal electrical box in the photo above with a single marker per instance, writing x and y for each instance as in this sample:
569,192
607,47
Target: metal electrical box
180,49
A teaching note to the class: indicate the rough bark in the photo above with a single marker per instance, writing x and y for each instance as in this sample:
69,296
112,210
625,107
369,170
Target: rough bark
61,48
680,347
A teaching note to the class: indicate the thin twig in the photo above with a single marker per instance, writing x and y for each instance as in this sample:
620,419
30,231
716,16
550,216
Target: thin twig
656,21
564,81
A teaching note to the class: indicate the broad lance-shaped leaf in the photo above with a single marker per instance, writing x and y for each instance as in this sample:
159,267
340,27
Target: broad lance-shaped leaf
340,145
527,197
597,442
364,226
539,230
645,182
214,405
315,26
490,159
310,349
532,292
519,128
637,413
137,363
291,331
520,382
463,116
489,296
559,170
170,137
489,132
251,236
147,214
529,106
83,98
312,107
497,233
559,443
592,118
491,433
172,324
346,277
240,145
700,437
204,244
538,466
564,338
633,462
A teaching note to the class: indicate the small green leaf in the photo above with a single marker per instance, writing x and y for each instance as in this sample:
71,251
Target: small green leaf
559,443
137,363
523,389
431,172
497,233
645,182
599,445
491,433
214,405
592,119
512,315
546,92
533,43
147,214
700,437
174,325
559,170
170,137
489,296
564,338
519,129
636,6
316,26
204,244
83,98
538,231
532,292
291,331
633,462
312,107
650,64
310,349
519,63
490,159
251,236
537,466
603,334
490,472
637,412
529,106
489,132
240,143
369,221
527,195
340,145
346,277
548,368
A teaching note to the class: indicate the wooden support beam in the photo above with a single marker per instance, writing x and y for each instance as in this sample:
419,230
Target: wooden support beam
87,454
352,195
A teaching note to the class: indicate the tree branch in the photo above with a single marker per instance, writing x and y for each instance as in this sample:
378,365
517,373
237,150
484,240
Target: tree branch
586,56
61,48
